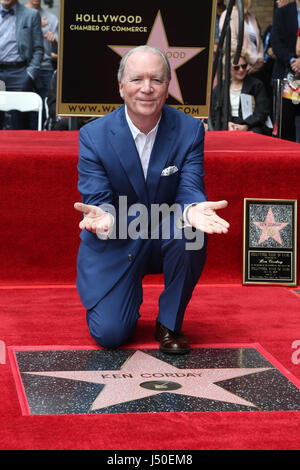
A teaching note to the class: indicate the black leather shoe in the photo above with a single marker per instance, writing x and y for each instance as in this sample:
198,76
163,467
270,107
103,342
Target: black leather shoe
171,342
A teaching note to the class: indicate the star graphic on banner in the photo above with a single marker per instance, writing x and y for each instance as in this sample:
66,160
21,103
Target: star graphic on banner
143,375
270,228
177,55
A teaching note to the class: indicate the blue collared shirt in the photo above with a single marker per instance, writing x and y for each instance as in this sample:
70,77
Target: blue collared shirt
8,42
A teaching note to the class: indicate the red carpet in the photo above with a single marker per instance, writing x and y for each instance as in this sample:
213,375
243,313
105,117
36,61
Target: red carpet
38,178
39,240
217,315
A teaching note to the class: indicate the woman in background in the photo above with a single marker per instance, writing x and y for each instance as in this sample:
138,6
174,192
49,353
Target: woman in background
249,104
252,44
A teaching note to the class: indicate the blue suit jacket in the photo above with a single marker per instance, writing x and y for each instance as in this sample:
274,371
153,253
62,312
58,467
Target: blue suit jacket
284,37
109,167
29,38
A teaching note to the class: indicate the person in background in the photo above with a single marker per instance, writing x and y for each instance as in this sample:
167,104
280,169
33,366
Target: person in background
266,72
249,105
21,53
284,39
284,36
50,34
252,43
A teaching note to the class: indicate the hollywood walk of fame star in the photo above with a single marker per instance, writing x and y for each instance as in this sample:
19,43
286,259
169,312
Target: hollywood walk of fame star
270,228
143,375
177,55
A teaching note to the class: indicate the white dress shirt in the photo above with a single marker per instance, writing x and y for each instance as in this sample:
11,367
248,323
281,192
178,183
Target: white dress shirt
144,143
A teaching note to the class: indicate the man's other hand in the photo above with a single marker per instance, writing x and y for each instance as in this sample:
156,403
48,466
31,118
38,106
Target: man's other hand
203,216
95,220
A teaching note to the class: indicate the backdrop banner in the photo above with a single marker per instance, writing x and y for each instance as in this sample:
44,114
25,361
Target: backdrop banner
94,36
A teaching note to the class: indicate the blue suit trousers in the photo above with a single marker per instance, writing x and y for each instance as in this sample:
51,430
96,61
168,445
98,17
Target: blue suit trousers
113,320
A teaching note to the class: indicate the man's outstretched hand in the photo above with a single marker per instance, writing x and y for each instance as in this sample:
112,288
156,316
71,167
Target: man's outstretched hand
203,216
95,219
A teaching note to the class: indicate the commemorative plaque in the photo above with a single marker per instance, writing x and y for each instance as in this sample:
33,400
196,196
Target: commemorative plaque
95,35
270,241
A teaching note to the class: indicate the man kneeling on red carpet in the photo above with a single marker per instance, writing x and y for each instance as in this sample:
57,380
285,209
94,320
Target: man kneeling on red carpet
151,156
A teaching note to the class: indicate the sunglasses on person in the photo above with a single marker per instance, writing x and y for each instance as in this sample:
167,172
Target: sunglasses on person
237,67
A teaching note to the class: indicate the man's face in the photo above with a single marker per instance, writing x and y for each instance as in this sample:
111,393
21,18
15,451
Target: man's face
8,3
144,87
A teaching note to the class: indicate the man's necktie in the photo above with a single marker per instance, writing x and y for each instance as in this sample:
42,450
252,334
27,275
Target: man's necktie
7,12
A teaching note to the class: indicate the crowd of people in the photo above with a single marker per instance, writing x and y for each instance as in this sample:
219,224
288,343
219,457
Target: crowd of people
265,58
28,61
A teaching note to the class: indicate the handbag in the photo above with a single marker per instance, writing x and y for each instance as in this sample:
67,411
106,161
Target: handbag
291,87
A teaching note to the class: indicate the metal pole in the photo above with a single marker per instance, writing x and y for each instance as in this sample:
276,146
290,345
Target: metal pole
226,83
277,108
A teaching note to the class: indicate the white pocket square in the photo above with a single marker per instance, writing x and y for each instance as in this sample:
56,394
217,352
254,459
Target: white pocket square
169,171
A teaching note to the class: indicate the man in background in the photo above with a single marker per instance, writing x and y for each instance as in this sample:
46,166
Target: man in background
21,53
48,65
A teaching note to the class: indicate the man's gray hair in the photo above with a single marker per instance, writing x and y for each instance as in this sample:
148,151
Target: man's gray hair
146,48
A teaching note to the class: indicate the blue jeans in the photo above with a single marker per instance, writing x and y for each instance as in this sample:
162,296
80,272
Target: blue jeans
41,86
